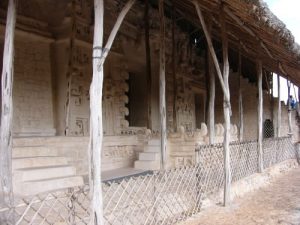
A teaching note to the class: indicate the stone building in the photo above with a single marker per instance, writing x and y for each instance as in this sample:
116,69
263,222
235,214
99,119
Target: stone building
53,72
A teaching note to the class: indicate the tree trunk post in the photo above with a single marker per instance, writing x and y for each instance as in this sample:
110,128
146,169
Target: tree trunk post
241,110
260,116
162,87
279,107
227,111
6,185
148,64
289,107
96,126
212,94
174,70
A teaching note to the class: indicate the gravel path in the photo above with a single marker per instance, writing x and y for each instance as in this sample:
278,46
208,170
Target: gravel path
277,203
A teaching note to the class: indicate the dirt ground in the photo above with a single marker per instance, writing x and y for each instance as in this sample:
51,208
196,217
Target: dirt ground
277,203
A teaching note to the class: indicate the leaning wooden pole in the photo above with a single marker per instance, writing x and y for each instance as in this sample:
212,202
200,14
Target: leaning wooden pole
226,110
6,188
211,48
96,126
260,116
148,65
278,133
162,86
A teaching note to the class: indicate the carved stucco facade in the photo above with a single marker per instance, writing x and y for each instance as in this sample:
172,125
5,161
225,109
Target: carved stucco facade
53,75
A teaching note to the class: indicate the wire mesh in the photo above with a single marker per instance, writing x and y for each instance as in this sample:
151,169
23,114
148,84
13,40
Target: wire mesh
277,150
163,197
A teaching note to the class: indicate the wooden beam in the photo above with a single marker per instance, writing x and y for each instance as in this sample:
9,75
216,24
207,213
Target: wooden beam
211,48
289,106
226,110
148,65
260,116
174,70
96,126
241,110
212,93
272,99
162,86
70,67
115,30
6,186
278,133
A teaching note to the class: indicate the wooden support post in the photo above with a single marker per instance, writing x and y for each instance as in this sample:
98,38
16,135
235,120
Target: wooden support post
96,127
260,116
241,110
70,68
162,87
272,98
278,133
289,107
212,93
227,111
148,64
6,187
174,70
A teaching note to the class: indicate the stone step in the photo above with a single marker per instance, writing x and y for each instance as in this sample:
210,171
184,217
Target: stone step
152,148
149,156
39,173
27,162
147,165
32,151
41,186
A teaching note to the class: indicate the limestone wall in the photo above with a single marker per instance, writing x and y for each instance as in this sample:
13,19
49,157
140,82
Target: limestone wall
32,92
250,99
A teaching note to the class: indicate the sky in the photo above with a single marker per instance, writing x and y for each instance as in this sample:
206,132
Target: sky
288,12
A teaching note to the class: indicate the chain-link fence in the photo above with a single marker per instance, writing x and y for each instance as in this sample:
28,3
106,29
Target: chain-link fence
161,197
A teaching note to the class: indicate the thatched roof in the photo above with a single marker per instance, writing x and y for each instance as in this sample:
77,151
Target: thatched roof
260,32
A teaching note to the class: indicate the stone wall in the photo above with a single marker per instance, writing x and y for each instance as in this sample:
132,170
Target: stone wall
250,99
32,93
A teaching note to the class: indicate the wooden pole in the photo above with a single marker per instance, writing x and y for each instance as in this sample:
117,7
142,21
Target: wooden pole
226,109
70,67
289,107
212,94
174,70
260,116
6,186
148,63
279,107
162,86
96,126
272,98
241,110
211,48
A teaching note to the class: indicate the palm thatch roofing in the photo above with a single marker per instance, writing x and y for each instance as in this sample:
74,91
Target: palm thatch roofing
252,27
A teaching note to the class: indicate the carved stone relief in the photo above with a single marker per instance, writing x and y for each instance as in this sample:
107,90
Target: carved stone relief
185,106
